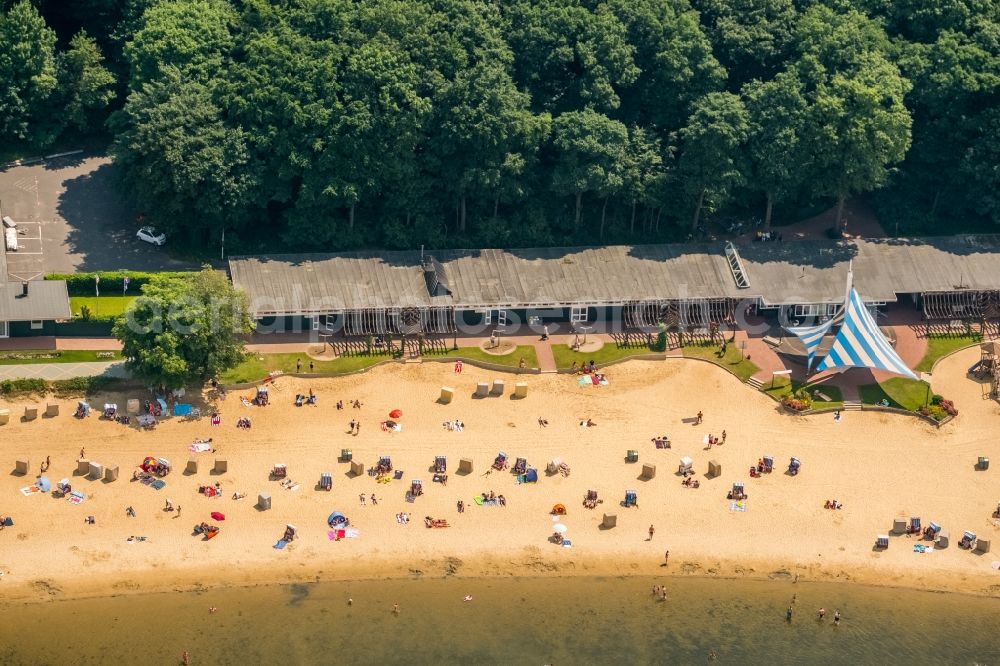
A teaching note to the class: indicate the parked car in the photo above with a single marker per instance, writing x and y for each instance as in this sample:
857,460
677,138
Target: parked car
151,235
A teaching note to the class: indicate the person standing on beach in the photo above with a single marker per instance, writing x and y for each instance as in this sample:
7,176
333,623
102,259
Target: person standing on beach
83,453
374,501
723,437
699,417
788,614
822,613
666,558
362,498
185,658
651,530
298,365
836,617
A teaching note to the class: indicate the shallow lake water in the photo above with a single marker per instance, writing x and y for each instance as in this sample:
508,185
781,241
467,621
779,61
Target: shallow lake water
509,621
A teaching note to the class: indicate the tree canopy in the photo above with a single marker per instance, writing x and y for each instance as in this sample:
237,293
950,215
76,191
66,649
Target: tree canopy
338,124
184,329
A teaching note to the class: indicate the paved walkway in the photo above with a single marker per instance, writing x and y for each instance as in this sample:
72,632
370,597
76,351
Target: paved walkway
546,361
55,371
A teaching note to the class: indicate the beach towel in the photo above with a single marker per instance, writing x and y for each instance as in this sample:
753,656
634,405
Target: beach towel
200,447
281,544
585,381
29,490
479,500
921,548
292,487
8,522
158,485
76,497
662,444
740,506
522,478
567,543
246,403
351,533
411,498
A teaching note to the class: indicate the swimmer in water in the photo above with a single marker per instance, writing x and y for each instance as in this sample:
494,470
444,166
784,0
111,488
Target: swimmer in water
350,602
822,613
468,597
395,609
212,609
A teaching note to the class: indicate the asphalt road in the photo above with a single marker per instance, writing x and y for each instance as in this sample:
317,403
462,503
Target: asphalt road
71,219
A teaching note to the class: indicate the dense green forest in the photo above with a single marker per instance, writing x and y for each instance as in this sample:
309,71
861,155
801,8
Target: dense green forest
332,124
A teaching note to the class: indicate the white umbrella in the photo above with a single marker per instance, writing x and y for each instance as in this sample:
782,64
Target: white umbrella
560,528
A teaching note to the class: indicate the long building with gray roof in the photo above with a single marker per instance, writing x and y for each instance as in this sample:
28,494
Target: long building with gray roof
958,275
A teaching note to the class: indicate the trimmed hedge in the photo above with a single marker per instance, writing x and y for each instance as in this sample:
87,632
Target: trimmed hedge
11,387
62,388
112,282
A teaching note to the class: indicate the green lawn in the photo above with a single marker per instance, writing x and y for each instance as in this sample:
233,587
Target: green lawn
733,361
103,307
783,387
257,366
513,360
901,392
565,356
939,346
38,356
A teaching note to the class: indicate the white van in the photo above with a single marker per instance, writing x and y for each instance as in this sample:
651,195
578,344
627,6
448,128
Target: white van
10,239
8,222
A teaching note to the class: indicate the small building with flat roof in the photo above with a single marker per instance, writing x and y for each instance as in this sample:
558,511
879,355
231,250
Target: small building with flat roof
30,308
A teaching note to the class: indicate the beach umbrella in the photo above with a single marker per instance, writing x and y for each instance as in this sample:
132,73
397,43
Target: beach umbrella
396,413
44,484
560,528
218,516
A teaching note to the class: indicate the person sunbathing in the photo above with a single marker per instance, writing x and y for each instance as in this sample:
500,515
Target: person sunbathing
239,495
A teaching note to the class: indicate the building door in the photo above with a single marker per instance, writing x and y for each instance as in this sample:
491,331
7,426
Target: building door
495,317
4,331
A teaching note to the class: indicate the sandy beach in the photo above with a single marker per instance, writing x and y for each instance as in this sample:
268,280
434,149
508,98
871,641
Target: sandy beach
879,466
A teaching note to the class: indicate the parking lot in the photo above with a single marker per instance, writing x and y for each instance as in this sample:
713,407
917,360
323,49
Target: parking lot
70,218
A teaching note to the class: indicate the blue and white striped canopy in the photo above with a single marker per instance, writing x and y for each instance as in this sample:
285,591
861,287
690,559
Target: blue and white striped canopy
812,336
860,343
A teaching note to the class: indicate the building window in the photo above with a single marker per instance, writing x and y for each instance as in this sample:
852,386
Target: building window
815,310
315,322
36,325
578,315
3,329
